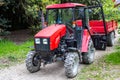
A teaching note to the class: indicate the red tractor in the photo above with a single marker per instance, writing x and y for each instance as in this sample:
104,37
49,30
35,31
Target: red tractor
67,37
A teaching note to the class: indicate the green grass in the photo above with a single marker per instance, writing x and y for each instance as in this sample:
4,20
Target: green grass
117,47
113,58
13,52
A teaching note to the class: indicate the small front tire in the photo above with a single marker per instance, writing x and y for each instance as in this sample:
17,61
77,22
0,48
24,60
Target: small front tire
33,62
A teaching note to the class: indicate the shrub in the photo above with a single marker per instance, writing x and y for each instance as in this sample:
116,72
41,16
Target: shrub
4,24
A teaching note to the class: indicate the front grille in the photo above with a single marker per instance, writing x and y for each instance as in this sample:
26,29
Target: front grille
41,46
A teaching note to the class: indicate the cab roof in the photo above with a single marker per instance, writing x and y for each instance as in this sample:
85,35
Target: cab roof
65,5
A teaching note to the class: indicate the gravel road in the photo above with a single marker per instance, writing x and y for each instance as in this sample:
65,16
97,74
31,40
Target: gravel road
53,71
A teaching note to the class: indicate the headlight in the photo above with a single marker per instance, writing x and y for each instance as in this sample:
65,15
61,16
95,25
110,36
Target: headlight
45,41
37,40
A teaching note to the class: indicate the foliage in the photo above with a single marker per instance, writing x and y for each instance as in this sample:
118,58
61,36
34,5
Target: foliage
32,10
110,11
4,23
35,29
24,13
108,6
13,11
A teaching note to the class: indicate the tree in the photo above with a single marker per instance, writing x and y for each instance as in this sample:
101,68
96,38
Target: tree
24,13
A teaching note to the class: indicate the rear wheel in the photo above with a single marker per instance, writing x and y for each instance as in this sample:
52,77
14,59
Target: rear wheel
111,38
71,64
88,57
33,62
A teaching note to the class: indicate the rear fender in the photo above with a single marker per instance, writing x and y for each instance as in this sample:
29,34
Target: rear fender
85,41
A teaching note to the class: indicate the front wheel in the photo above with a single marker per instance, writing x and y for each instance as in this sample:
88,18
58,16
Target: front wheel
33,62
88,57
71,64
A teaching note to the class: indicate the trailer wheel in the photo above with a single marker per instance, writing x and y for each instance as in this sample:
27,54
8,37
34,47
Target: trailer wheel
111,38
88,57
33,62
71,64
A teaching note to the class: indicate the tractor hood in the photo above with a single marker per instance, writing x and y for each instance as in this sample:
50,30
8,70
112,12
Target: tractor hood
52,30
50,37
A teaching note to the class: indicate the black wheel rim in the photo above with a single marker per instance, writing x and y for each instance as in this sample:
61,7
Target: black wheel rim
36,60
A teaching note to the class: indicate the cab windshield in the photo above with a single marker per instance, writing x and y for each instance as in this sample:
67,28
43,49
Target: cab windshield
60,16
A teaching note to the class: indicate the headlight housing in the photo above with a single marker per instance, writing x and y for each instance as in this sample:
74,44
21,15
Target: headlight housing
45,41
37,40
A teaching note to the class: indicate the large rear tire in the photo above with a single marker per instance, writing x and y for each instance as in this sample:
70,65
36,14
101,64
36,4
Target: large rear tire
33,62
111,39
88,57
71,64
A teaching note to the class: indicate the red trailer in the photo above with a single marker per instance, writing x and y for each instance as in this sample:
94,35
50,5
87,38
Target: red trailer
98,29
98,33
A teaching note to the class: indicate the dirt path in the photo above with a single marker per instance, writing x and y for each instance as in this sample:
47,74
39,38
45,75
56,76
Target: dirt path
53,71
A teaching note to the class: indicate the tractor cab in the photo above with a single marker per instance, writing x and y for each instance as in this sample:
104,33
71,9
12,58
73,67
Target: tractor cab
69,21
74,16
69,14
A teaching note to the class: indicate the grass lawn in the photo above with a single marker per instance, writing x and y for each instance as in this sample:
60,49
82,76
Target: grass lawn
10,52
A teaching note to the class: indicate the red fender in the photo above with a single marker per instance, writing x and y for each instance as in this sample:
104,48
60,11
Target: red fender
85,41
